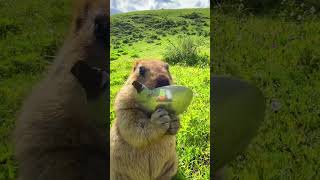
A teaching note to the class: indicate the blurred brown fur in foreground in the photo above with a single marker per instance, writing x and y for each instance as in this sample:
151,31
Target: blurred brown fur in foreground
57,137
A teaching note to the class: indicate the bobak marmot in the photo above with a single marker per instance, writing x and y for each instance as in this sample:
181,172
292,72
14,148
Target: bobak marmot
143,144
61,130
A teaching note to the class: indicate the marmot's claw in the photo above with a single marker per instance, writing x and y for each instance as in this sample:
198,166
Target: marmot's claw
174,126
161,118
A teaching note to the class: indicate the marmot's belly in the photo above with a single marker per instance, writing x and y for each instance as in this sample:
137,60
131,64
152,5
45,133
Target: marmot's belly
147,163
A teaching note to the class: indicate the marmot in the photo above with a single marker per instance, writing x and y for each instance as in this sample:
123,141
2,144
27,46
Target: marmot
61,131
143,144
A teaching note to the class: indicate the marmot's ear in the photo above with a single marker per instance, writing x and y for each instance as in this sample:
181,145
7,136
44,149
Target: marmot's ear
135,65
80,14
166,65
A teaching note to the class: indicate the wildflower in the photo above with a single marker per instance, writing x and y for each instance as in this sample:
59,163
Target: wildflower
312,10
275,105
292,14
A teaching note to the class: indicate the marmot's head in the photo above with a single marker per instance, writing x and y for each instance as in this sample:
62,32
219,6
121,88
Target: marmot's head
89,33
151,73
90,27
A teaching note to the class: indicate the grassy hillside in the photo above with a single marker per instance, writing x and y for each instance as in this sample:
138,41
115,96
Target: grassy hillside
282,58
149,34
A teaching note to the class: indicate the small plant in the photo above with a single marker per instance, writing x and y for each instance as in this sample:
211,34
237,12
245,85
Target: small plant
193,15
7,27
149,41
295,10
309,60
135,55
154,37
185,52
114,56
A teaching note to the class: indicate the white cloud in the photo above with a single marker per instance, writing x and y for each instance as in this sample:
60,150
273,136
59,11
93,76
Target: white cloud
136,5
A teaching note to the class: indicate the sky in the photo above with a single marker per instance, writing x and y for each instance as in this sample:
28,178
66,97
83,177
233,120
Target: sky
118,6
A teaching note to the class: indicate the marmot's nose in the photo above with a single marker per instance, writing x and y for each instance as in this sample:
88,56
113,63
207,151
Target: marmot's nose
162,81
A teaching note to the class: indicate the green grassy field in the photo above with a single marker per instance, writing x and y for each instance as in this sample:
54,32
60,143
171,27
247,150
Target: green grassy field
282,58
148,34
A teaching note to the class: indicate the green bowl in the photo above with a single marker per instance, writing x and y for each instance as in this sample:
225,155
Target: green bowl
173,98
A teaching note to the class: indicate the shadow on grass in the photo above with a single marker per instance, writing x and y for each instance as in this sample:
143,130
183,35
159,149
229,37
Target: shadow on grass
179,176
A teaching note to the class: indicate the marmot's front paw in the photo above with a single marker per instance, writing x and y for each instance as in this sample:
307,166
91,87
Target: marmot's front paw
174,125
161,118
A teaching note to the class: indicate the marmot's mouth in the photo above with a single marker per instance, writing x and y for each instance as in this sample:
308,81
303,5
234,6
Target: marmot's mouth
162,81
94,80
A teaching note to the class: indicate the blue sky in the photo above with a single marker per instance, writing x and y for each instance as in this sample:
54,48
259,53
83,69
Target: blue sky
118,6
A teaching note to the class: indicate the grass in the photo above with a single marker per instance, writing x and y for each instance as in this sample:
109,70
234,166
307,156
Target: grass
282,58
158,31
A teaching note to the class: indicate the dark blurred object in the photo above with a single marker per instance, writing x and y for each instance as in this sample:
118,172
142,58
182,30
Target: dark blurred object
237,111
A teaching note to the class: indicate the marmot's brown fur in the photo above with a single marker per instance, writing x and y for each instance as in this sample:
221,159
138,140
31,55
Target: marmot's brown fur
57,134
143,145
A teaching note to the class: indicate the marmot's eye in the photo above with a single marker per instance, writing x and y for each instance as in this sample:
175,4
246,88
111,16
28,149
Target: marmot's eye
142,70
101,26
166,65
